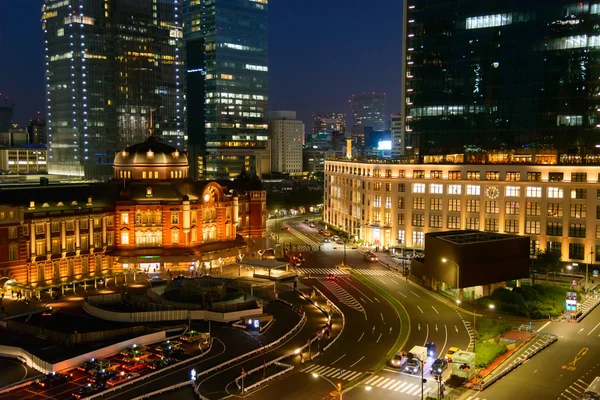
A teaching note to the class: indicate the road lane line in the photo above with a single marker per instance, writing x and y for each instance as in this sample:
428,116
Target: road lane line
385,380
376,299
319,370
426,335
307,369
368,382
361,336
394,281
579,331
594,328
359,360
401,386
382,281
352,375
415,293
343,355
381,316
377,341
420,310
402,294
363,300
435,310
543,326
445,340
389,383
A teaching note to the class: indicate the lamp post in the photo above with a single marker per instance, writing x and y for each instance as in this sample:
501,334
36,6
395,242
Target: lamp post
586,269
338,387
445,260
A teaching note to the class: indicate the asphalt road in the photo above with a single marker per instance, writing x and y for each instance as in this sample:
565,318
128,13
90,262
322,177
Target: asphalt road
368,321
561,371
14,371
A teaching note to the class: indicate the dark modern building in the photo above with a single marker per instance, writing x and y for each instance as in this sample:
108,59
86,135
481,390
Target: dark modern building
483,75
226,86
108,64
37,131
6,117
369,110
325,122
475,262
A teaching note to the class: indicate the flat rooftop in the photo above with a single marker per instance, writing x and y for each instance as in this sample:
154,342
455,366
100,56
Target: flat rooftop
469,237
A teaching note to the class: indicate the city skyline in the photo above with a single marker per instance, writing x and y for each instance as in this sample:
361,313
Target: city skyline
294,83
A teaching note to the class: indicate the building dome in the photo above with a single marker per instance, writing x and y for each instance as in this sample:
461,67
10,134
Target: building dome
150,160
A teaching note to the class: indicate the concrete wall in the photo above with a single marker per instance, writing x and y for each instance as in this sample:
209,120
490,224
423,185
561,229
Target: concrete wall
29,359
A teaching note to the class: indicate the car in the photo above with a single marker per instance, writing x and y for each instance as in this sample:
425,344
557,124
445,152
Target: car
335,237
370,256
325,240
412,366
134,351
156,280
450,352
53,379
94,363
331,277
439,366
122,377
398,360
135,365
193,336
431,349
174,351
162,362
168,345
49,312
339,241
312,225
101,376
107,365
88,389
306,221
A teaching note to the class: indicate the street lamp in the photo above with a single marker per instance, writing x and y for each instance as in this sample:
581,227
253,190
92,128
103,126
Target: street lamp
445,260
338,387
491,306
586,269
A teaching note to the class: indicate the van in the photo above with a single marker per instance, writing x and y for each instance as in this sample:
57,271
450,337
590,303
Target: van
593,390
370,256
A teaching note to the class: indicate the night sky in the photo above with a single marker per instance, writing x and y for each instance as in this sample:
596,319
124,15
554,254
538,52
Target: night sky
320,53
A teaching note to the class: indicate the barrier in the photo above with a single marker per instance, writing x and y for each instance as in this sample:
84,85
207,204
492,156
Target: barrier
163,390
589,310
160,371
263,381
29,359
168,315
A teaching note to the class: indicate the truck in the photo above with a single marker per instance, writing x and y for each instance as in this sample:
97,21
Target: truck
419,357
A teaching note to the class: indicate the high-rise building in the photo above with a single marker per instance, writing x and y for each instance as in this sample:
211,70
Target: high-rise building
325,122
397,140
226,86
37,131
6,117
108,64
286,134
491,75
369,110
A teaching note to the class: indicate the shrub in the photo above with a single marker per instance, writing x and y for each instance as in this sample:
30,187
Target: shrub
488,328
486,353
528,293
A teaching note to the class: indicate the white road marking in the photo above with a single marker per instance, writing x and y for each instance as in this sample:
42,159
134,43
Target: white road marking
361,336
382,281
543,326
381,316
436,328
456,328
419,326
420,310
394,281
445,340
359,360
343,355
376,299
594,328
435,310
426,335
415,293
579,331
401,294
363,300
377,341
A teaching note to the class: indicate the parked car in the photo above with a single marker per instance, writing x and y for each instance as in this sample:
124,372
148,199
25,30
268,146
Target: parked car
88,390
94,363
439,366
450,352
122,377
168,345
193,336
136,365
107,365
134,351
101,376
162,362
157,280
339,241
174,351
52,379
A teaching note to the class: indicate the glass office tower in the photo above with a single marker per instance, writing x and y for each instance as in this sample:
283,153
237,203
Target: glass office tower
369,110
226,86
483,75
108,63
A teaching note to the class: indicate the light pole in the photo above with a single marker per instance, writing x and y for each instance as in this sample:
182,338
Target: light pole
586,269
445,260
338,387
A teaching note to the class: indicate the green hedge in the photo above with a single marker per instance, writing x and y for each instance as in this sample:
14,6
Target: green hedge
537,302
488,328
487,352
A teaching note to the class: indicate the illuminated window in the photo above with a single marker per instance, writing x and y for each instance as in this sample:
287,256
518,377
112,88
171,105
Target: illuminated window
474,190
454,189
511,226
435,221
473,206
124,218
418,188
555,193
453,222
512,208
436,204
125,237
533,209
534,191
578,193
533,227
436,188
491,225
418,203
512,191
513,176
454,205
488,21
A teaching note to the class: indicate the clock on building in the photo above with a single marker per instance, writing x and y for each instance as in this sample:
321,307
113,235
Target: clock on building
492,192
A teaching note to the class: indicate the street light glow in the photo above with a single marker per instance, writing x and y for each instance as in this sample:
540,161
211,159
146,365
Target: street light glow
458,301
444,260
297,351
492,306
315,375
368,388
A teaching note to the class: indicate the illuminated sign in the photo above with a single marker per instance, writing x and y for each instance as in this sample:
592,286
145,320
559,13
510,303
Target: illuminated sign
384,145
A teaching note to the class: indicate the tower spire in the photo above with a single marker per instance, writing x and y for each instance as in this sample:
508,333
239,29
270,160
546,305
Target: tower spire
150,125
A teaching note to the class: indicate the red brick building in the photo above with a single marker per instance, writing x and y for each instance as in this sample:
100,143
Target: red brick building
149,218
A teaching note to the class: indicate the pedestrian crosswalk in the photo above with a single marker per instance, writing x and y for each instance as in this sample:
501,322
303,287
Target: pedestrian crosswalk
321,271
577,389
471,334
398,385
332,372
474,398
376,272
343,296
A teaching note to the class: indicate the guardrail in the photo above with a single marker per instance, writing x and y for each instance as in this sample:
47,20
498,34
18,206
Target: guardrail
163,390
518,362
287,369
589,310
266,326
19,385
160,371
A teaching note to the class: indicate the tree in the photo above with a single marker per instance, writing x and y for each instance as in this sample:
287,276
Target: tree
547,261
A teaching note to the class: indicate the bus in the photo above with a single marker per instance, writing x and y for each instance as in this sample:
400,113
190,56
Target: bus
593,391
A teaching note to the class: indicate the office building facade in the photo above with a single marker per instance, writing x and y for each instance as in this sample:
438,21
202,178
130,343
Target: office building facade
491,75
398,141
226,86
107,65
286,134
395,205
326,122
369,110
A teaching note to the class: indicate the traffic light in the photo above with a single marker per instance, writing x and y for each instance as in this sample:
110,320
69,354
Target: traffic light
339,387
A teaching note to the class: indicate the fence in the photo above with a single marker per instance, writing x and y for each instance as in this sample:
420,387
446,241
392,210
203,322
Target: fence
589,309
160,371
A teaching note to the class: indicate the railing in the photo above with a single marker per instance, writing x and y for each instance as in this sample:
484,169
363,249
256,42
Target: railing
160,371
589,310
